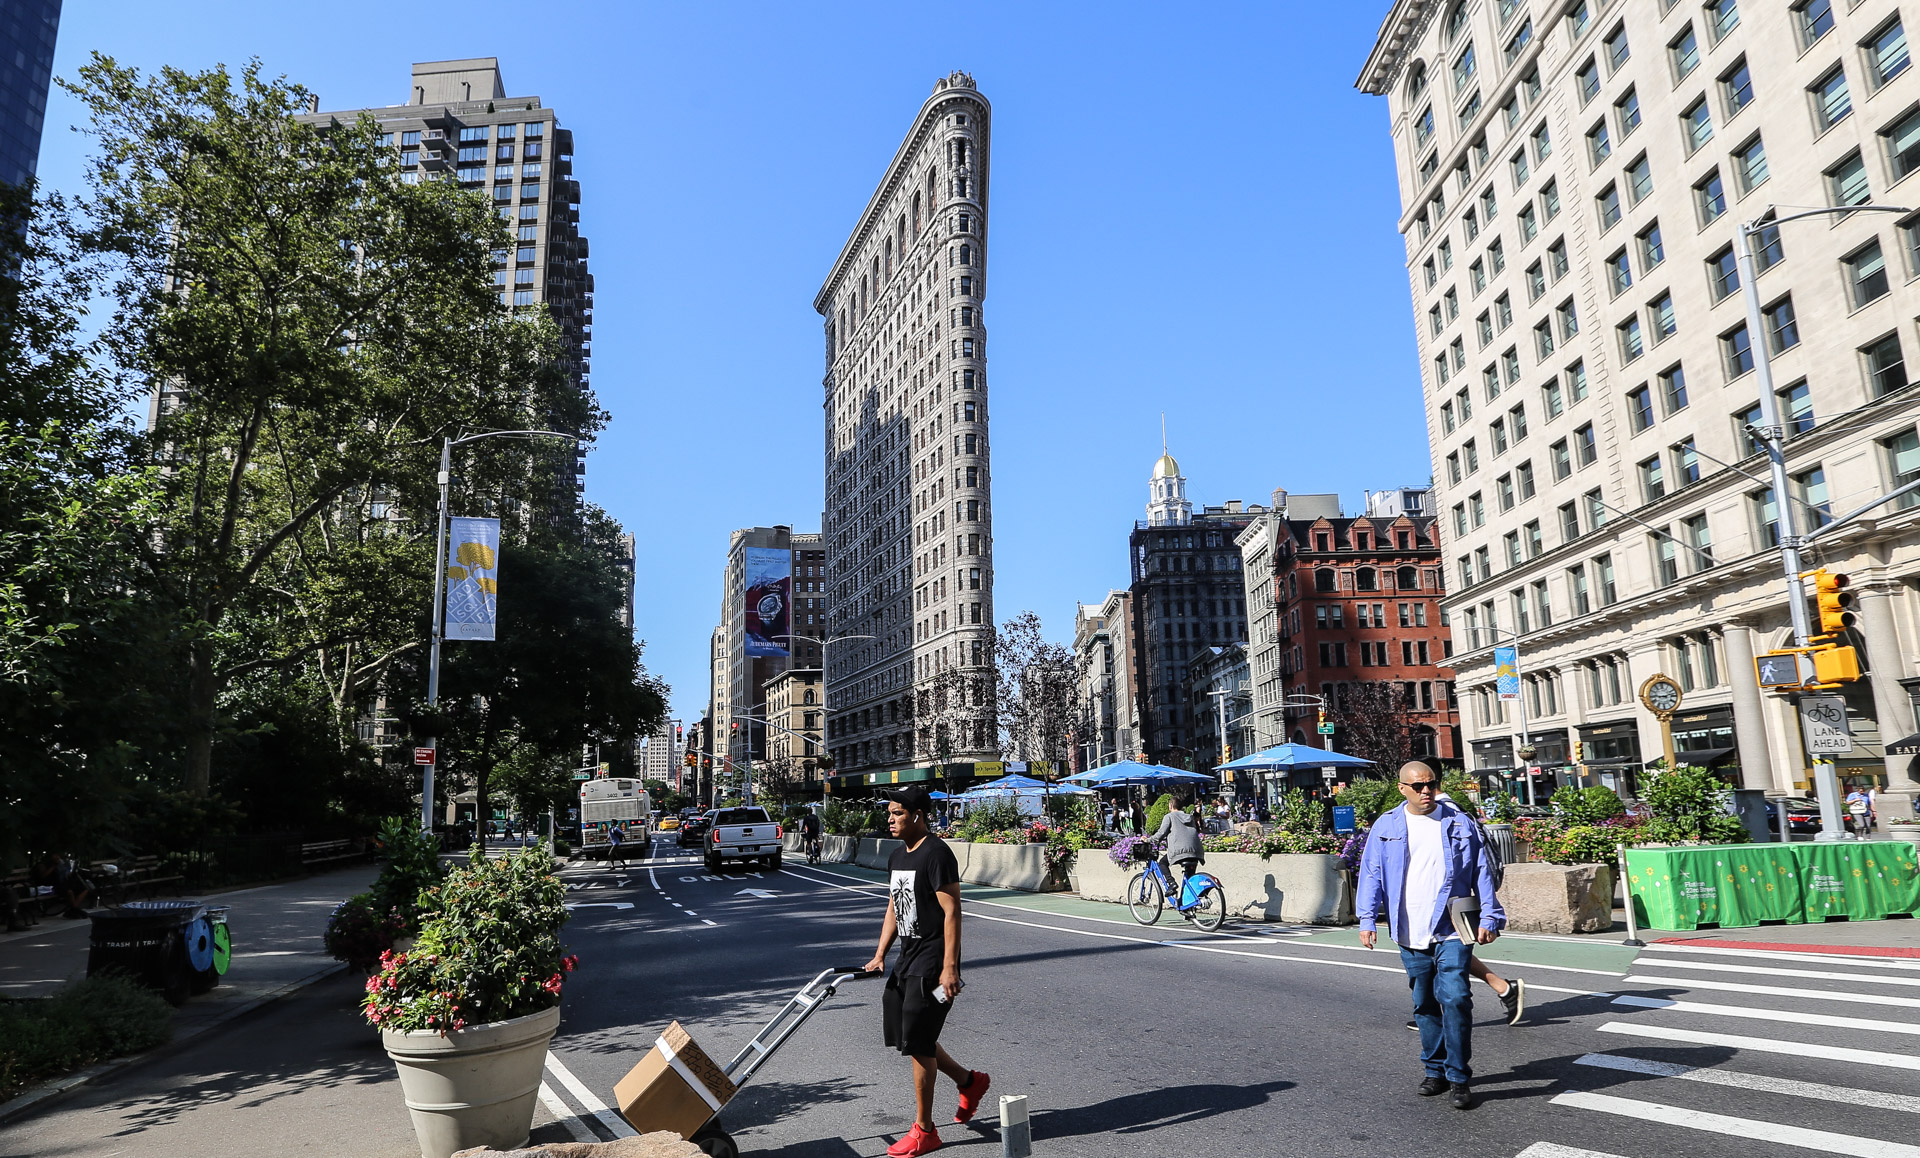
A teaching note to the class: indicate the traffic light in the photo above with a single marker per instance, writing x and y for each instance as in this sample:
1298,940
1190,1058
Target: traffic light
679,733
1835,665
1833,602
1579,752
1780,670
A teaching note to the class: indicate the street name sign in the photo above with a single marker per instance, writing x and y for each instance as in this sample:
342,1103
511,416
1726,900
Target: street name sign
1823,721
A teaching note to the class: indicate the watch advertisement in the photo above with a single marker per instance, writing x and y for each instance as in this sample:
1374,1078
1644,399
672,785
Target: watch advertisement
769,580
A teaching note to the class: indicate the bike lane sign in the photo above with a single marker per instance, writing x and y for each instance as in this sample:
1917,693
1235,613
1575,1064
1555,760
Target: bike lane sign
1823,721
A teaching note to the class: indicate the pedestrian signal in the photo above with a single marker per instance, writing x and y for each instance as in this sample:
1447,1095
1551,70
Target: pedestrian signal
1780,670
1835,665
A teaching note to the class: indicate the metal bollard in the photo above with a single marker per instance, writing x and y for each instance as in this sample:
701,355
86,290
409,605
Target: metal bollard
1016,1132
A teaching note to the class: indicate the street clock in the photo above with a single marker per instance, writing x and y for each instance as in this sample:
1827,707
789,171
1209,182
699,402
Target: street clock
1662,697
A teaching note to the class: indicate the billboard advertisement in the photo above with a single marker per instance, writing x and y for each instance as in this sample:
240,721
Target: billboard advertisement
769,580
1506,672
473,578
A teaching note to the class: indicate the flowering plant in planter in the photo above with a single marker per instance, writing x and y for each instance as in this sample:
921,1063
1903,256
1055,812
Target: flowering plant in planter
489,949
1128,849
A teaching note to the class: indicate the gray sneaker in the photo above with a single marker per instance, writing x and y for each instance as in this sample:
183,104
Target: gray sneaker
1514,1000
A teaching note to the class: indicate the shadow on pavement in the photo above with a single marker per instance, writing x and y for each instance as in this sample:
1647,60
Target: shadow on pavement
1153,1109
1543,1072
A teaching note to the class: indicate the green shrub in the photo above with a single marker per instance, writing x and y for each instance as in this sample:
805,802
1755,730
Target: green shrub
1502,807
1300,813
990,817
1368,799
1583,807
84,1022
1157,812
1580,844
562,848
1692,804
413,867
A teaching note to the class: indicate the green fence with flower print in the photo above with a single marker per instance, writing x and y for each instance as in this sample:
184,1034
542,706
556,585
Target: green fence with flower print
1740,885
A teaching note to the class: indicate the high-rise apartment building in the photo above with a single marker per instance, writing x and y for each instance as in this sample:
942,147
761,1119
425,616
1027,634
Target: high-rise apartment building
1186,595
458,124
743,665
1571,176
662,754
28,29
909,519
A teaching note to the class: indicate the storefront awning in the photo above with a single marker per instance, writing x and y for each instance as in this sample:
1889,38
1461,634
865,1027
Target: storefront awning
1702,757
1907,747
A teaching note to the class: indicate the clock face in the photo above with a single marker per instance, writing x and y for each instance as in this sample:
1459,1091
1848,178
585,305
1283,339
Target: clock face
1663,697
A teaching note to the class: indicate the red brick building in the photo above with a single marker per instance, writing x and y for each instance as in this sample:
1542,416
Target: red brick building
1357,601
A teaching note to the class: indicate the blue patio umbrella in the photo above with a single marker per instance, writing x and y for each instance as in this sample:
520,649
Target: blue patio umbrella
1131,773
1018,785
1287,757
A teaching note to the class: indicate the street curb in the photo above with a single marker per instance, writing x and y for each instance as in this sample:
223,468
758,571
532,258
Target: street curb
42,1095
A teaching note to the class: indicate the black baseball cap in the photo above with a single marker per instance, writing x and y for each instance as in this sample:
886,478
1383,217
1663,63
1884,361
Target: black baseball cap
913,798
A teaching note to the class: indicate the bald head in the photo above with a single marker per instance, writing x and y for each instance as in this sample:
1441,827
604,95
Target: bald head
1420,786
1414,770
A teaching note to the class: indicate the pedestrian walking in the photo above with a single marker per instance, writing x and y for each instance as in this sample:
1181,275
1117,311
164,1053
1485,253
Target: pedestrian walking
1428,865
1860,808
1139,819
923,913
617,846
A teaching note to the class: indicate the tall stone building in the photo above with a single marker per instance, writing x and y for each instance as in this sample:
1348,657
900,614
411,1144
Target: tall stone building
458,124
28,29
661,756
1571,178
909,512
1186,595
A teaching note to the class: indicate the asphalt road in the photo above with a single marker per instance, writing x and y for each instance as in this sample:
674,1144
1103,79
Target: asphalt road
1253,1042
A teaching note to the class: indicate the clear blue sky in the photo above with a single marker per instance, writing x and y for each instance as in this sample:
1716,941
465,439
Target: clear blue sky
1192,212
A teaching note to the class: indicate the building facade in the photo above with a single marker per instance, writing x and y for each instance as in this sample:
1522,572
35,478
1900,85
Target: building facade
742,713
1220,690
458,124
1341,602
908,520
1187,593
661,755
28,29
796,712
1571,177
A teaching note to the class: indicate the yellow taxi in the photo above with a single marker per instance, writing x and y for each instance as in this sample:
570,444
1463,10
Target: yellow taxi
669,824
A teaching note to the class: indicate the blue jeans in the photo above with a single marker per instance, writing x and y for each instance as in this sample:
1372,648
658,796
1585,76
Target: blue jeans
1442,1006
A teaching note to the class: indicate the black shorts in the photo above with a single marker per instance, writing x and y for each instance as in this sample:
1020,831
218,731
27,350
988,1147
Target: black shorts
913,1018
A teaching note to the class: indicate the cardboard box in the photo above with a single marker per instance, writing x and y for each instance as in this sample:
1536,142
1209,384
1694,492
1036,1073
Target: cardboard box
675,1087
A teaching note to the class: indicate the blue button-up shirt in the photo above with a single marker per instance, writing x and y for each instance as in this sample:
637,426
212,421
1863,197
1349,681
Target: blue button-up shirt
1383,872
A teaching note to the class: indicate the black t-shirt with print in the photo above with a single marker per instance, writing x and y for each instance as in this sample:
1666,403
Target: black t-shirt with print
916,877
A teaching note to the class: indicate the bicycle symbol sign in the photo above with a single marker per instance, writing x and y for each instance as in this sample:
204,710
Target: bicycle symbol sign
1823,721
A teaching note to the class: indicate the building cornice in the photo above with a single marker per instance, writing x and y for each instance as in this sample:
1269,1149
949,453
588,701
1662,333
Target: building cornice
955,88
1399,31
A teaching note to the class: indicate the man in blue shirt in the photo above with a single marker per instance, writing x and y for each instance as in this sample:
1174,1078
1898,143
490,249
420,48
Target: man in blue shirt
1426,864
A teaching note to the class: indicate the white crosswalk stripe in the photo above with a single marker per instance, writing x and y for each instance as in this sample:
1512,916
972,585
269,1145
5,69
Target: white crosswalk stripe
1769,1091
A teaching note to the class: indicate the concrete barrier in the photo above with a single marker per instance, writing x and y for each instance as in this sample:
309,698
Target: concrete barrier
1297,888
1006,866
833,849
873,852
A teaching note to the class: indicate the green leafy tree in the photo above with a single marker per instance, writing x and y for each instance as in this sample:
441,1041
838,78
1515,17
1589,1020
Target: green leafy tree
1692,804
314,326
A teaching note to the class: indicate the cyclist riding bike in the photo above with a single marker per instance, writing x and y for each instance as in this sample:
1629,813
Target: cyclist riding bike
810,835
1182,836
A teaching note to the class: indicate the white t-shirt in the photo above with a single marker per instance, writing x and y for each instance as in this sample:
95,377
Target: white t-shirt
1426,876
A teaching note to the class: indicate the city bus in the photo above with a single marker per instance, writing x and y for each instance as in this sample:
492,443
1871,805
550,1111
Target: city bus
610,801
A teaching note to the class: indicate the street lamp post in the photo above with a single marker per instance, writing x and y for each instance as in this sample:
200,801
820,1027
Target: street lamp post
439,602
823,707
1772,435
1520,696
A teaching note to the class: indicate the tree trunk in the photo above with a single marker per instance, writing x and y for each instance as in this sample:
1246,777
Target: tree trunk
203,696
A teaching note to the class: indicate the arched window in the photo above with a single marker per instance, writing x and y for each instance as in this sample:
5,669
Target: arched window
1364,579
966,255
1407,579
1456,19
1416,81
1324,580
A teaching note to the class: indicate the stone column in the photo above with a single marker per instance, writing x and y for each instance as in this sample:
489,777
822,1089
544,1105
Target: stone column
1890,704
1749,725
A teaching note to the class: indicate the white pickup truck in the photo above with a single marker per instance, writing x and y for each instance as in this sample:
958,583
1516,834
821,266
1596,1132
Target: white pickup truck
742,834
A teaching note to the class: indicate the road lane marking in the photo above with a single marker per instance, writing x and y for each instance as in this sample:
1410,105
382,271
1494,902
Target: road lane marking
1824,1141
1826,1019
1187,943
1555,1150
1764,971
1871,1057
575,1125
1781,991
585,1096
1761,1083
1894,963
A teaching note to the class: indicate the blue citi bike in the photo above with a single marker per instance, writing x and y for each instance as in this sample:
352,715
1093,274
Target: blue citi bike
1199,899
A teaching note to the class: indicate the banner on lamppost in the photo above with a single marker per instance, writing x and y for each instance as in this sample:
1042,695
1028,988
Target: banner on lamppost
473,578
1506,672
769,600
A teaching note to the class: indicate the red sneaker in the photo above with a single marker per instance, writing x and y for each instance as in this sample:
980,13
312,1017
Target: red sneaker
917,1141
970,1095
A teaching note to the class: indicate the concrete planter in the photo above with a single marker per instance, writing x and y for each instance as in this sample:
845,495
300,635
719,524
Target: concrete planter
833,849
873,852
474,1086
1906,832
1006,866
1298,888
1558,898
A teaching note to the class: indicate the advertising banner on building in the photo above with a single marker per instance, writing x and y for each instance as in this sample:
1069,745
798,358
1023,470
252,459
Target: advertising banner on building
769,581
1506,672
473,578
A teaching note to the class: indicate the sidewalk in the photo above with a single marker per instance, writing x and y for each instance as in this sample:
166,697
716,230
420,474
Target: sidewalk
277,948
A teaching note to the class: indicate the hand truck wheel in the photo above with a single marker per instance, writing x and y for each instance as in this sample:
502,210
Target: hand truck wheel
715,1142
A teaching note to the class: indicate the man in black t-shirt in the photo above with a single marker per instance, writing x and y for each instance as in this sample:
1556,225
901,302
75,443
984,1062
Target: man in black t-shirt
923,911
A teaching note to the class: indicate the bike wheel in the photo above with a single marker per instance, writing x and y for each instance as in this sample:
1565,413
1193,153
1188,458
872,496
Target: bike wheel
1211,908
1144,898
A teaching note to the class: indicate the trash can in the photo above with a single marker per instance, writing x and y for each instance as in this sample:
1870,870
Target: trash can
178,947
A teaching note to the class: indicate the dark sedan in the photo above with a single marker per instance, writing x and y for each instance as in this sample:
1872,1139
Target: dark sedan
693,830
1803,815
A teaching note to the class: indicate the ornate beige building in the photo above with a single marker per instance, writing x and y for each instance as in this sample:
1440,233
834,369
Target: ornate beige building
908,522
1571,175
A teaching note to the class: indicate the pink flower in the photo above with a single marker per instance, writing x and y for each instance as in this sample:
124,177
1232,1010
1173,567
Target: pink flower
373,984
570,963
551,984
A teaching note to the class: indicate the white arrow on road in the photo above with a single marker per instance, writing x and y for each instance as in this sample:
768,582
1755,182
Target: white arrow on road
763,894
603,905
